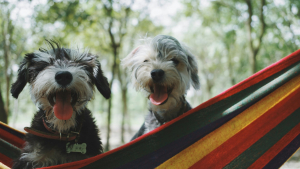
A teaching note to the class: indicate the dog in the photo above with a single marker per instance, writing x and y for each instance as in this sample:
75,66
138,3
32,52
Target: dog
164,69
62,81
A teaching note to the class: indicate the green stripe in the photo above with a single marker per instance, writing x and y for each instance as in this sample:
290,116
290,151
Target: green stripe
196,120
253,153
9,150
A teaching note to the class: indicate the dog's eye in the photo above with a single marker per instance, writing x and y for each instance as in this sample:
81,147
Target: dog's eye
175,61
146,60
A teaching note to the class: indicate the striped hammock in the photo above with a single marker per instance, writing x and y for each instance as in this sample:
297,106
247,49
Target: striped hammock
254,124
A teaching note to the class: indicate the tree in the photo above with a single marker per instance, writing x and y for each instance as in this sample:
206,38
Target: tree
116,40
254,49
12,41
7,30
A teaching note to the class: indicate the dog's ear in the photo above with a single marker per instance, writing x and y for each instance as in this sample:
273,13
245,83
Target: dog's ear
101,82
22,78
193,69
128,62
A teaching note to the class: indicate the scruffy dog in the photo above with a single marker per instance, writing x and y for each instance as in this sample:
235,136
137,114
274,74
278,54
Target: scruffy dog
164,69
61,83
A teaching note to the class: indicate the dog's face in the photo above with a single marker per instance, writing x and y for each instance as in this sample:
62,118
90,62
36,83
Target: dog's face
164,69
61,82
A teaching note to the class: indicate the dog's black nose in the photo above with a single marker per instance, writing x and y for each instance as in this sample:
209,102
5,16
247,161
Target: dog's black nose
157,74
63,78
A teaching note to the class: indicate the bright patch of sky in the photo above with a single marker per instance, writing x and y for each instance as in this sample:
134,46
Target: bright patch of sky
279,2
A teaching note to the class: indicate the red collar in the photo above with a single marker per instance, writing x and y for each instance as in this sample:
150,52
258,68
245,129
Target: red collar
53,133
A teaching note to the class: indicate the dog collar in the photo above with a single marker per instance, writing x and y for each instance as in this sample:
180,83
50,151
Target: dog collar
72,135
60,136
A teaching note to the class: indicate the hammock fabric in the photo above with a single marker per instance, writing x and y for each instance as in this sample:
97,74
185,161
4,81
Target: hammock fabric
254,124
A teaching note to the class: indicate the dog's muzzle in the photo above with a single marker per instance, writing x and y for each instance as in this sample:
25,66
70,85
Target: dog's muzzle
63,78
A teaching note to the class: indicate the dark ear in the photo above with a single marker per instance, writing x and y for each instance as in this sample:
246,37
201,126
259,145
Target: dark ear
101,82
194,69
19,85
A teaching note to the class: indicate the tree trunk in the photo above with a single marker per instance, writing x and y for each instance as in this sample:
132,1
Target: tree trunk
123,84
7,34
115,46
254,50
124,113
3,114
107,147
229,66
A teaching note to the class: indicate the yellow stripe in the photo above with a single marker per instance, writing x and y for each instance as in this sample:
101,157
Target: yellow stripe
207,144
2,166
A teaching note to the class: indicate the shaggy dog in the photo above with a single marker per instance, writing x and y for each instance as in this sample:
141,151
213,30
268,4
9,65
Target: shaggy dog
61,84
164,69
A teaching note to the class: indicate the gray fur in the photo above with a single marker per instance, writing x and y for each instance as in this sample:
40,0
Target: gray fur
180,72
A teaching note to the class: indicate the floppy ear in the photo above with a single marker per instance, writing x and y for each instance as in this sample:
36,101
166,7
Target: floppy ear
128,62
22,79
101,82
194,69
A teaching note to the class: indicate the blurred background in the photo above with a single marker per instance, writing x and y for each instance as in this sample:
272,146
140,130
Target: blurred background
231,39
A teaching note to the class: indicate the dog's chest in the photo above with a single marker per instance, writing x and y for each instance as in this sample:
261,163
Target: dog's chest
39,157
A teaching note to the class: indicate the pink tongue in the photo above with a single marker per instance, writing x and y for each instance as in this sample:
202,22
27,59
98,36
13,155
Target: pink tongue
159,96
62,108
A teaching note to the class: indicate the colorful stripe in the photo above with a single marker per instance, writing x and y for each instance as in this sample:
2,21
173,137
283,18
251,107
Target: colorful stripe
248,136
11,135
261,146
11,152
277,148
284,155
11,140
201,148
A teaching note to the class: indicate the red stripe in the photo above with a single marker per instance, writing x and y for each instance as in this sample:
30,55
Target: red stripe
237,144
274,150
5,160
12,139
257,77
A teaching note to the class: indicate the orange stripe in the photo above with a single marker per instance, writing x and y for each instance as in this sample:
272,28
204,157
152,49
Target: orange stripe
274,150
237,144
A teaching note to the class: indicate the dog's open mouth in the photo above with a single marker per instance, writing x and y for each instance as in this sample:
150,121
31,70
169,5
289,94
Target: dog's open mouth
160,94
62,104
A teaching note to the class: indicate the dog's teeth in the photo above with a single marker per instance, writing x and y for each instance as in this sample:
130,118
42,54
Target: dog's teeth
54,99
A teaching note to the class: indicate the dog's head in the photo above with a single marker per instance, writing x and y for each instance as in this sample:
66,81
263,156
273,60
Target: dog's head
164,68
61,82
